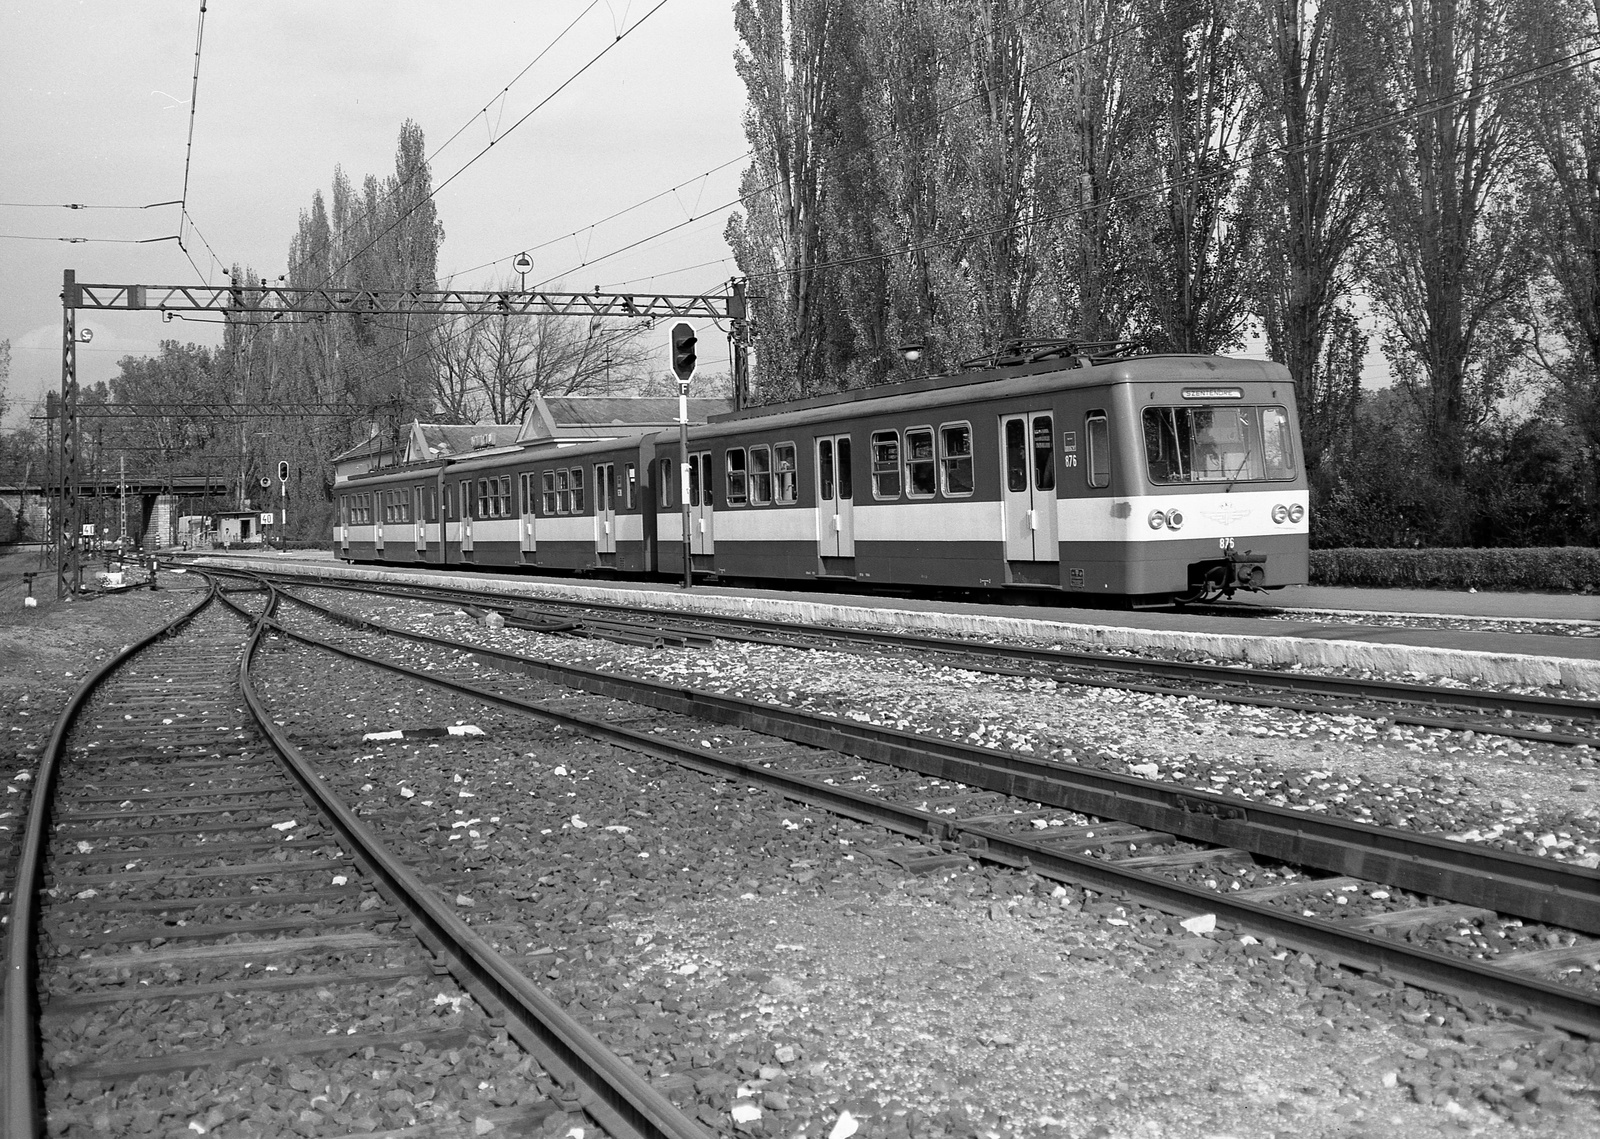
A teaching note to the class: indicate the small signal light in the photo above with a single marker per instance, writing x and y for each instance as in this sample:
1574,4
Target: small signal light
1296,512
1157,520
1280,514
1174,520
683,355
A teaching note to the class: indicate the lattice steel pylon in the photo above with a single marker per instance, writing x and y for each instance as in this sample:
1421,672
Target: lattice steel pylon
256,300
69,570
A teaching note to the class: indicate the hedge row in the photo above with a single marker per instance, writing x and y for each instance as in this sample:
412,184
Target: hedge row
1565,569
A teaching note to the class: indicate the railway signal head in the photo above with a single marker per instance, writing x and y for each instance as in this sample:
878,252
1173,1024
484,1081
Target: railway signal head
683,352
283,470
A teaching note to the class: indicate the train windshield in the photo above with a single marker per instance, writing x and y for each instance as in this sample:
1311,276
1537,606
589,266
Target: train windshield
1217,444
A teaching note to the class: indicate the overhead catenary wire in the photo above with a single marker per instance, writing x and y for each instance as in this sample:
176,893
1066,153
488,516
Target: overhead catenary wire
366,208
188,149
89,240
529,66
562,86
84,205
962,46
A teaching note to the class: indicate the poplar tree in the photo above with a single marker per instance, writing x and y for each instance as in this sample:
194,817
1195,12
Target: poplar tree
1450,254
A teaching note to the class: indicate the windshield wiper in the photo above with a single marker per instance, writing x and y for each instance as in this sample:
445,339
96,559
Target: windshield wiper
1235,476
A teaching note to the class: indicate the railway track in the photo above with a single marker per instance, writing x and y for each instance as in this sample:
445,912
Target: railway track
1235,859
190,897
1529,718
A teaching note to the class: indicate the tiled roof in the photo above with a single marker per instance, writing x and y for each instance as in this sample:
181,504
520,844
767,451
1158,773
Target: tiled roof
629,411
457,438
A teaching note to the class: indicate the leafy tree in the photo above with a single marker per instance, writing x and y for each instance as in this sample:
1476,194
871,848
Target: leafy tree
1450,252
1197,229
1315,68
1093,110
790,57
5,378
380,368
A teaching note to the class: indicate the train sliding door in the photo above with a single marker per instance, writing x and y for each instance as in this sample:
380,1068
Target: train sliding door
605,508
419,524
702,537
525,531
468,504
1027,453
836,530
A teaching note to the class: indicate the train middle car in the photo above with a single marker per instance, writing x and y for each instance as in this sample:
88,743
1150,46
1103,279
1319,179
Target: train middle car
1149,479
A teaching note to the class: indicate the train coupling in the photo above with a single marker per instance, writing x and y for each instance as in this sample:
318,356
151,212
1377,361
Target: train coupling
1227,575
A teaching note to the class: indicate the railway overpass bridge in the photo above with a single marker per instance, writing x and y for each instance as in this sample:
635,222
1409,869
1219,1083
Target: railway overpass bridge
155,503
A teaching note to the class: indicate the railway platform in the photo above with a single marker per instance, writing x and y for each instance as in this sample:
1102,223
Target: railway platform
1497,638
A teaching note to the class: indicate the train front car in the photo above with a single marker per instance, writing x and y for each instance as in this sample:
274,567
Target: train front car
1206,491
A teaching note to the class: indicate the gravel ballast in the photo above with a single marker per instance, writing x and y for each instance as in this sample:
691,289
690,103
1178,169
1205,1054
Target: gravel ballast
731,943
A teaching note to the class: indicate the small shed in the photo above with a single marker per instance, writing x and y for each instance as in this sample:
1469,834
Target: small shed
238,528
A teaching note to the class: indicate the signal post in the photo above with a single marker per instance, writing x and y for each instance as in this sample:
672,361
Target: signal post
683,363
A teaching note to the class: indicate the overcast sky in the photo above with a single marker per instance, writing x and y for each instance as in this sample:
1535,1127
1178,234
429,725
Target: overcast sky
95,108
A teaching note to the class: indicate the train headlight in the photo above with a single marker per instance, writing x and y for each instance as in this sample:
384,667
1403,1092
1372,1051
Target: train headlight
1280,514
1296,512
1174,520
1157,520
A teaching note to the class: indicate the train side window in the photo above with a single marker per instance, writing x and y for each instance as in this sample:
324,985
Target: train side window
664,481
760,476
1016,455
577,490
505,496
785,488
1275,439
737,476
1044,453
885,464
921,481
955,459
630,487
547,492
563,494
1098,432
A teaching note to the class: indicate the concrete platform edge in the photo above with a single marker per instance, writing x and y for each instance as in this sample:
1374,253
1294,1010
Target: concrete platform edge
1391,659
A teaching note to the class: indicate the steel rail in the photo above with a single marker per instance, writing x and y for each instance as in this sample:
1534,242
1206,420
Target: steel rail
1228,677
1566,1008
1537,888
21,1110
623,1102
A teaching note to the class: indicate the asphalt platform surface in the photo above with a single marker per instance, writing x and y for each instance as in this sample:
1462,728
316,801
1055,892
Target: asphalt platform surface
1323,613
